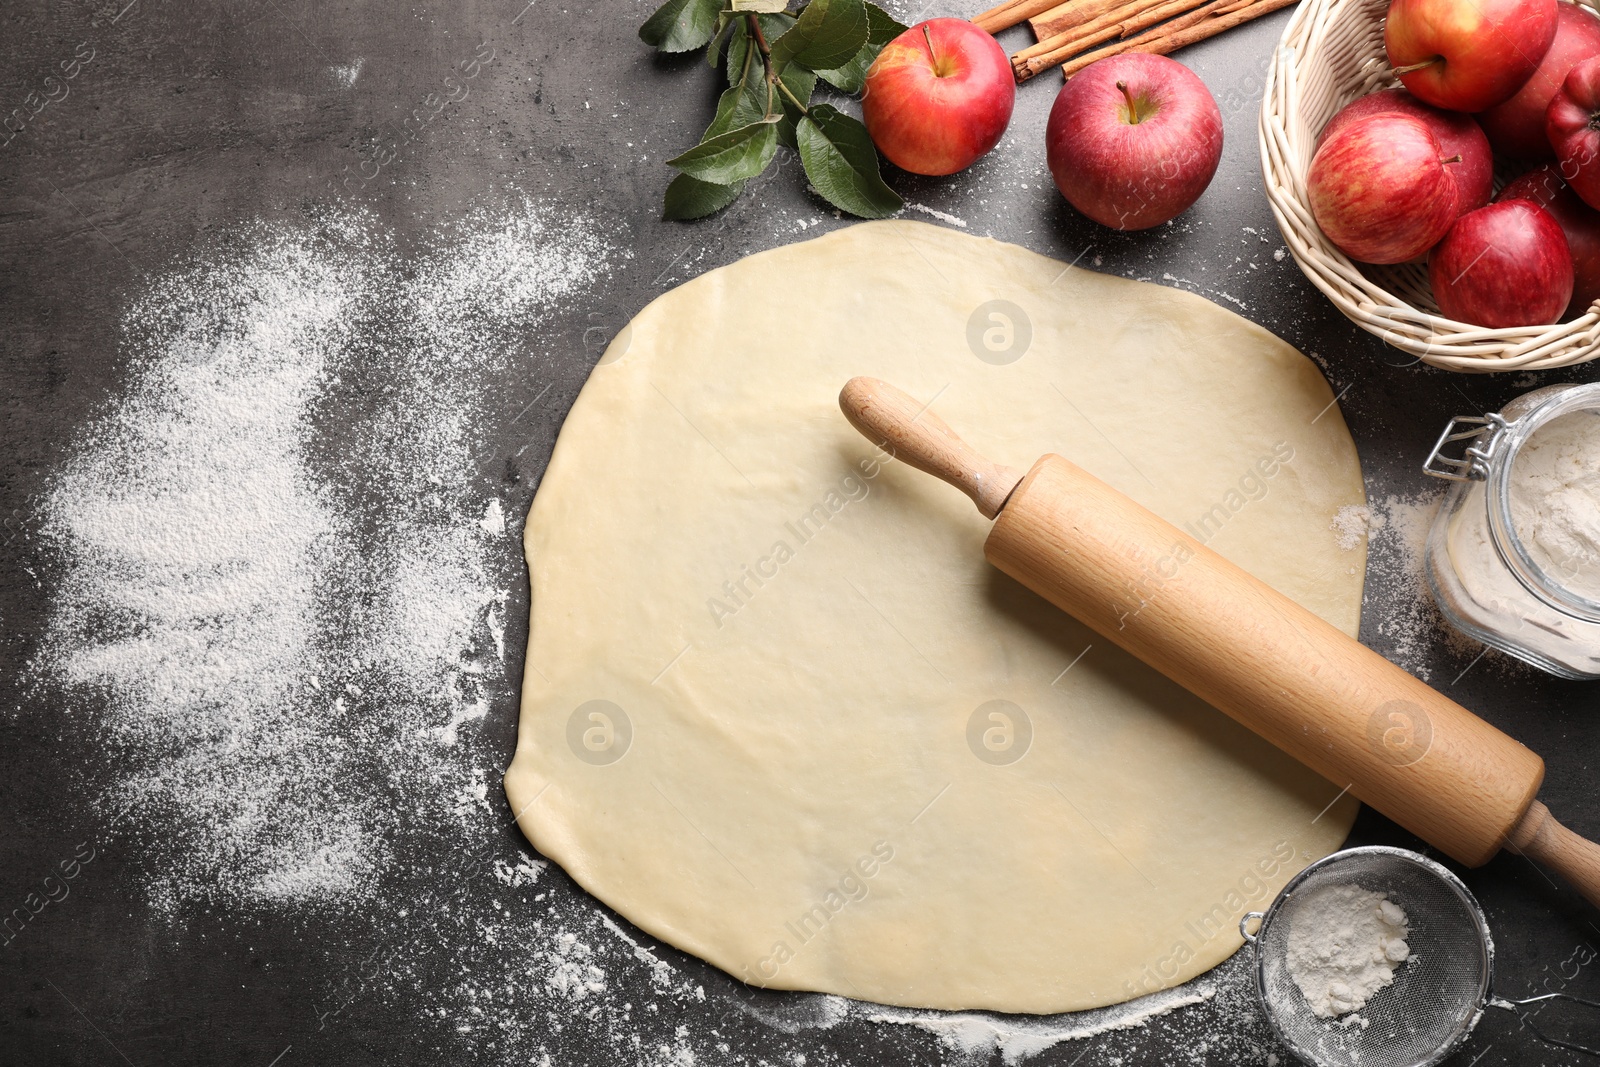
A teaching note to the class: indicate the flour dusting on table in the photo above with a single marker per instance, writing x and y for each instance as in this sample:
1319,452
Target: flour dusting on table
1231,1029
254,621
1410,631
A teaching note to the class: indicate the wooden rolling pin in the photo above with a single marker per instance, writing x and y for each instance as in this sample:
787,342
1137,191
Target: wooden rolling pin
1343,710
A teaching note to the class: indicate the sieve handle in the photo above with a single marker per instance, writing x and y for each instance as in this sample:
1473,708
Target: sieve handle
1246,919
1527,1018
1549,844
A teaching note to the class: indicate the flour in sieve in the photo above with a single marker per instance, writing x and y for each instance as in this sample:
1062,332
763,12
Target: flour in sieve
1344,945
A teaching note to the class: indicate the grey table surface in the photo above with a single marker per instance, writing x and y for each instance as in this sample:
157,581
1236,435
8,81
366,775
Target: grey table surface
197,115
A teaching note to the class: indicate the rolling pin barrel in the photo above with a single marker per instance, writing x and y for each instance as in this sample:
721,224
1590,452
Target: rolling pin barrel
1280,670
1329,701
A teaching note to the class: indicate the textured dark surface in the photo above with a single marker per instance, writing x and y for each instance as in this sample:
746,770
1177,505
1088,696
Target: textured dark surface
193,116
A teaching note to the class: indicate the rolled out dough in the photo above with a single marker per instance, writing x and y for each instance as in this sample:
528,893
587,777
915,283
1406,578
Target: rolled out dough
779,712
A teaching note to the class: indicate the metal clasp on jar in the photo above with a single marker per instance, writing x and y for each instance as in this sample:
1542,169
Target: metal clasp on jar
1473,463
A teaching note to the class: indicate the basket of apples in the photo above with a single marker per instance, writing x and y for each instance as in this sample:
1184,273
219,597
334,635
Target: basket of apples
1434,166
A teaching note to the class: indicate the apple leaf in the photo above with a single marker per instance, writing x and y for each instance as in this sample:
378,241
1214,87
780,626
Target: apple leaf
739,52
842,164
773,59
751,98
743,105
802,83
730,157
690,198
681,25
882,28
719,37
828,34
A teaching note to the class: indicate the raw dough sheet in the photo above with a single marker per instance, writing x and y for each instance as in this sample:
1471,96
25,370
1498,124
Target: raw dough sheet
779,712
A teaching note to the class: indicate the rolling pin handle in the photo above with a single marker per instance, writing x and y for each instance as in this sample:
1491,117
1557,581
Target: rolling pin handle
895,421
1547,843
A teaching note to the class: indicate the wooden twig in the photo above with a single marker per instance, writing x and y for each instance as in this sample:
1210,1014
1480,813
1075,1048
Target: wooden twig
1006,15
1123,21
1163,41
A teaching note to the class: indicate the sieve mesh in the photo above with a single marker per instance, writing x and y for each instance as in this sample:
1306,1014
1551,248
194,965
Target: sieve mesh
1436,995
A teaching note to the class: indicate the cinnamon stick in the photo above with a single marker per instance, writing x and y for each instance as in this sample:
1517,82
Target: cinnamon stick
1163,41
1108,13
1011,12
1070,15
1130,18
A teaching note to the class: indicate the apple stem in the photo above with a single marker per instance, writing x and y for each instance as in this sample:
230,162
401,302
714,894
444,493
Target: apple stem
1133,109
1453,159
939,70
1407,69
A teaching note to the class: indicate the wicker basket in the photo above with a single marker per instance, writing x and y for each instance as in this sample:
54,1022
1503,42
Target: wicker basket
1331,53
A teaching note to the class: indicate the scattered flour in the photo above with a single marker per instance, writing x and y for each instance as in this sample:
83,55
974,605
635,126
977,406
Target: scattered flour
493,522
1351,525
525,871
347,74
978,1036
794,1014
660,971
199,551
1344,945
942,216
1409,628
272,576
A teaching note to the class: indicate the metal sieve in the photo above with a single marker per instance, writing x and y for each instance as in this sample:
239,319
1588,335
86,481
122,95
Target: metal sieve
1437,995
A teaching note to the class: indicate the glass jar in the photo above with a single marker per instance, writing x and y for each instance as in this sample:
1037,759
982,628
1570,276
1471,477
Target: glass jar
1512,555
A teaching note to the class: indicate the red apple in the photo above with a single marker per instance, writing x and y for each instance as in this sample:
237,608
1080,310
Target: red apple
1133,140
1503,265
1380,188
1467,55
938,96
1516,127
1572,122
1579,221
1458,136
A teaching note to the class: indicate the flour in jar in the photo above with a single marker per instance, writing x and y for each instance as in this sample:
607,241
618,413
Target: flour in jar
1555,500
1344,945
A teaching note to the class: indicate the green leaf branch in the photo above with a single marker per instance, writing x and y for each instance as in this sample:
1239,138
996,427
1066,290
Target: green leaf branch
773,59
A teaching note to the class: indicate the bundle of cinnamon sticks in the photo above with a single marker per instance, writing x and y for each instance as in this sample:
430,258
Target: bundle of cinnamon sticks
1075,33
